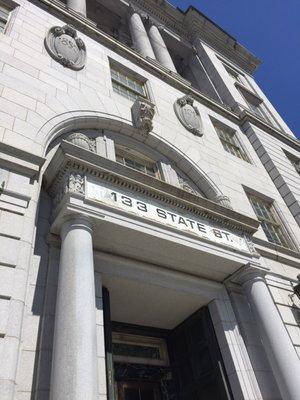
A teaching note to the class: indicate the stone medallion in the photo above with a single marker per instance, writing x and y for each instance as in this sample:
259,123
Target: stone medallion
65,47
188,114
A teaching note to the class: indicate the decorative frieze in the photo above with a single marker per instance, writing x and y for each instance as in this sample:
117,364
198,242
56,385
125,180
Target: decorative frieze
188,114
65,47
143,112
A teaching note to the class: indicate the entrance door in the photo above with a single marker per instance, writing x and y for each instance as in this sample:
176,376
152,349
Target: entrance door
196,360
138,391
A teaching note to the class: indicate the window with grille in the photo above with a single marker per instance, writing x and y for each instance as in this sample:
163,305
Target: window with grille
4,15
230,142
135,160
125,85
269,221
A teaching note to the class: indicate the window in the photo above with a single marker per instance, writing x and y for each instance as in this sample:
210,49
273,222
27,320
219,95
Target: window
4,15
137,161
295,161
233,73
266,214
138,349
254,104
125,85
230,142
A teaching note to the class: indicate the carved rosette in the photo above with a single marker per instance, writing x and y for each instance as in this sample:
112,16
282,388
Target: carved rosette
143,112
188,114
81,140
72,182
65,47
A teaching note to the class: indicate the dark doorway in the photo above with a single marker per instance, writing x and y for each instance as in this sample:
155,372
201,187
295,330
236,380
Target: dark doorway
145,363
138,391
196,361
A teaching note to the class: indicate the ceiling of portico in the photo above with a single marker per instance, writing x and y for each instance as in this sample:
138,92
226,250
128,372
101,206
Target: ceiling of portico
165,248
149,305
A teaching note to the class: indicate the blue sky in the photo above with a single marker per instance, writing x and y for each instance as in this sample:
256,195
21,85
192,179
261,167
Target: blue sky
271,30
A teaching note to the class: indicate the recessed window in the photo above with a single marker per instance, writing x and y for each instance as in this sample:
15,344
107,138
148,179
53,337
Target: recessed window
270,224
295,161
126,85
132,159
254,104
4,15
233,73
230,142
136,349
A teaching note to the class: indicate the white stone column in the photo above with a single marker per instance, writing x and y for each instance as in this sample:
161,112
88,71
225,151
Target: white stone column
74,362
139,36
159,47
280,351
78,6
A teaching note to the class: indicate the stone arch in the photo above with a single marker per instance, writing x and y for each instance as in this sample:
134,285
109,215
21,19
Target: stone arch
79,120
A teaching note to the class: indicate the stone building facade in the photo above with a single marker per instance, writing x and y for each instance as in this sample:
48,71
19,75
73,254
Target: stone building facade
149,209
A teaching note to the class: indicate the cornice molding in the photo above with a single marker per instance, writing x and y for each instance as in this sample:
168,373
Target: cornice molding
71,164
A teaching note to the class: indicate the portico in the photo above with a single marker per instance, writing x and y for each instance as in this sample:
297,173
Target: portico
157,275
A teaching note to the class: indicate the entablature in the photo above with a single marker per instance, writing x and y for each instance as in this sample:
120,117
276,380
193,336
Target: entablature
82,163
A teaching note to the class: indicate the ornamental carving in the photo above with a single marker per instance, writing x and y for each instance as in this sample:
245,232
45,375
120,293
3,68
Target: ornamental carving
223,201
81,140
188,114
143,112
65,47
71,182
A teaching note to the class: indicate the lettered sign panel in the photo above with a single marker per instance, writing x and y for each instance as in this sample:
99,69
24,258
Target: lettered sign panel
155,211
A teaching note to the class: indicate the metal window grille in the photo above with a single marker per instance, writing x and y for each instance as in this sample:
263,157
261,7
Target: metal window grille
126,86
269,223
230,143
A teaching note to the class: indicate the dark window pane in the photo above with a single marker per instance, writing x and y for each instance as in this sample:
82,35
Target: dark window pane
133,350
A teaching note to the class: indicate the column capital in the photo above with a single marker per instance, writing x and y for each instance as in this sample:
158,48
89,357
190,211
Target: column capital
76,222
248,272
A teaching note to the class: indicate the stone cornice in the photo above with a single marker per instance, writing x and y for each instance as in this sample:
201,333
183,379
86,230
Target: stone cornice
191,23
70,157
20,160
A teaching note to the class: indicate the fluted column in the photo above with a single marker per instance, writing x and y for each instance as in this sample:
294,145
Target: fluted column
159,47
139,36
277,343
74,363
78,6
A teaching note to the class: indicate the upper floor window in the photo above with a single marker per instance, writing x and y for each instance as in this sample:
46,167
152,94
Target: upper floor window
295,161
269,220
233,73
230,142
126,85
4,15
132,159
254,104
